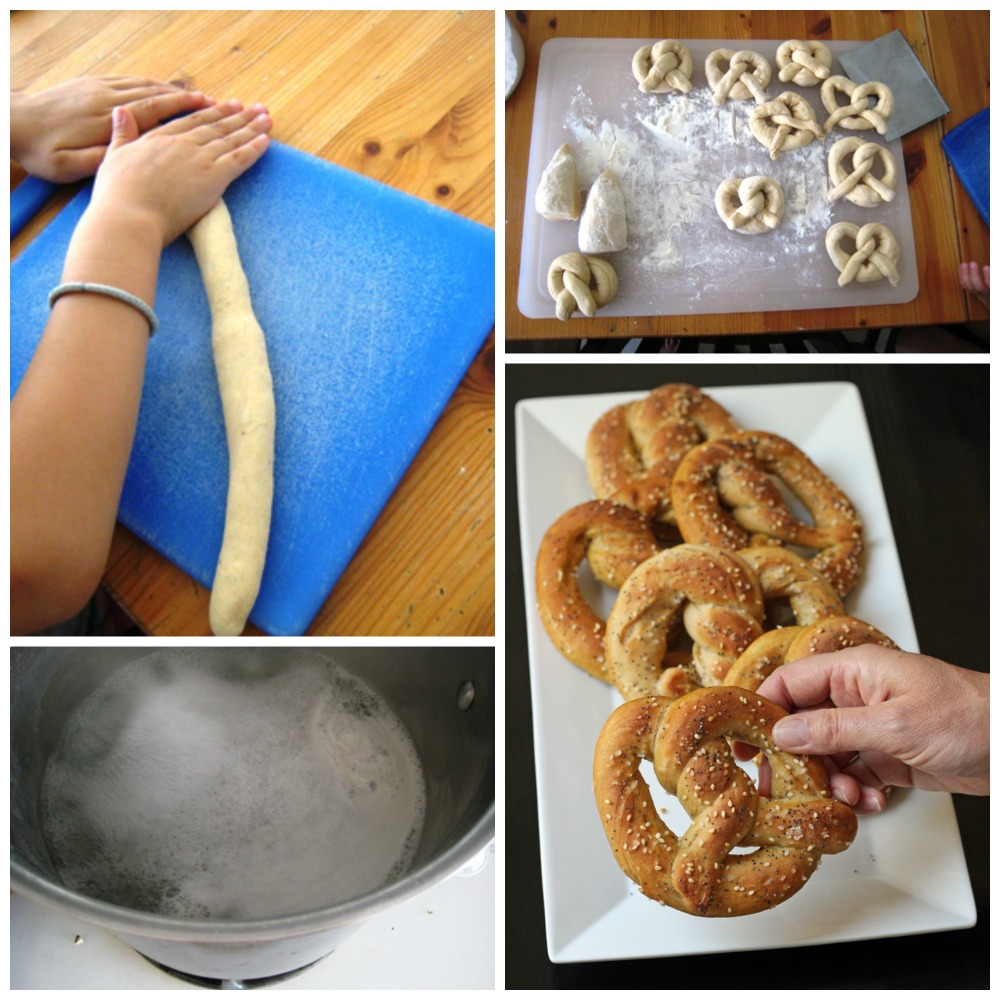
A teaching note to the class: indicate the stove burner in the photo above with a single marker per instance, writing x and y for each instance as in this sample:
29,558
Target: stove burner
230,984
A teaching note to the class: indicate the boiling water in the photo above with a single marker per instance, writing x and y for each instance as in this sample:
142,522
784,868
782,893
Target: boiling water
237,791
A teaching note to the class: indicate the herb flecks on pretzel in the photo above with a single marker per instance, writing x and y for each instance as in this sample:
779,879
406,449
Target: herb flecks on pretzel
725,493
615,540
633,450
687,742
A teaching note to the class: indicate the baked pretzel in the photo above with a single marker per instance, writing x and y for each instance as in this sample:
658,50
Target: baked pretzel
633,450
723,494
713,593
687,742
784,645
615,540
784,576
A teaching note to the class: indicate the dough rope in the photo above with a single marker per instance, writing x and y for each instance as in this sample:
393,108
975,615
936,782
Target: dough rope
874,255
581,282
614,540
861,186
558,194
663,67
746,76
856,114
805,64
784,124
751,205
240,352
633,450
687,742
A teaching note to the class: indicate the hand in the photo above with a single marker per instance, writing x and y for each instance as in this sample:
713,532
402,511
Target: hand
61,134
976,280
884,717
171,176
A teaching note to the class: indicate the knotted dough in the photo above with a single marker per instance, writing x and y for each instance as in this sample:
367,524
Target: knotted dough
803,63
784,124
861,186
873,256
663,67
581,282
750,205
558,194
746,75
856,115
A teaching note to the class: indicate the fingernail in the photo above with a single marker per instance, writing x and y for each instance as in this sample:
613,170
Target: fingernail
117,117
838,794
872,803
791,732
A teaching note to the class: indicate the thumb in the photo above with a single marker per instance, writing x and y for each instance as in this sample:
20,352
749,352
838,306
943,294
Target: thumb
124,127
828,731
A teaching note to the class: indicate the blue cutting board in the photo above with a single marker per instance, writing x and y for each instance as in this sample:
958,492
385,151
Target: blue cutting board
374,304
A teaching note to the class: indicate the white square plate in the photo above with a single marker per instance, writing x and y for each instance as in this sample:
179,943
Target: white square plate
888,883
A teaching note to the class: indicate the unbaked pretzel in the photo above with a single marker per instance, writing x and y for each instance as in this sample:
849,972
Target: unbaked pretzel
873,257
687,740
614,540
633,450
745,77
861,186
803,63
581,281
784,645
786,123
750,205
662,67
856,115
723,495
716,597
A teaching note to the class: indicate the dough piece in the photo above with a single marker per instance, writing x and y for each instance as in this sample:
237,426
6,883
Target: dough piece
785,123
245,386
746,75
874,255
663,67
856,115
861,186
579,282
558,195
752,205
805,64
602,226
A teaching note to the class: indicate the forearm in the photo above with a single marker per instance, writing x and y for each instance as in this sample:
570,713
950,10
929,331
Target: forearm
73,421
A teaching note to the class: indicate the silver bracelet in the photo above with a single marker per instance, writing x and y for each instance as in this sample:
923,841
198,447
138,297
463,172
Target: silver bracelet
115,293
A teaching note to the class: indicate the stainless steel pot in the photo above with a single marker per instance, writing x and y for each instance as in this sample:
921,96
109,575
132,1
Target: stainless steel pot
444,696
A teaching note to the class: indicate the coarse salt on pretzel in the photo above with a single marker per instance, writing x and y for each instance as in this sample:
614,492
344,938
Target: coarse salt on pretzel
615,540
784,645
687,741
634,449
785,577
712,593
724,493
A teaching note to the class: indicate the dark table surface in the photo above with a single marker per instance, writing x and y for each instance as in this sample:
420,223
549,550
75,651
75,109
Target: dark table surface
929,425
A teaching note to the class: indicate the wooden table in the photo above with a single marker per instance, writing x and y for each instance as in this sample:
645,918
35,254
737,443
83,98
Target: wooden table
954,48
933,519
408,99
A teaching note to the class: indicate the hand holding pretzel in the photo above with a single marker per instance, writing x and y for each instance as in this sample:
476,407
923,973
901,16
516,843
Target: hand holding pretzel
687,742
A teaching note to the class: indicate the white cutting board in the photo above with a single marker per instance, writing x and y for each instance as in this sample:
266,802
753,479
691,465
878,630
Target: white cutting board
670,152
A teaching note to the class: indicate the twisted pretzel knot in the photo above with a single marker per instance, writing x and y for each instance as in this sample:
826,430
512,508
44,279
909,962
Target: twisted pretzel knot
856,114
614,540
687,742
874,257
714,594
786,123
803,63
633,450
784,645
579,281
663,67
747,76
750,205
723,495
861,186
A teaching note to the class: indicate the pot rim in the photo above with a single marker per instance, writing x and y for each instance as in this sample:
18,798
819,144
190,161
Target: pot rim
121,919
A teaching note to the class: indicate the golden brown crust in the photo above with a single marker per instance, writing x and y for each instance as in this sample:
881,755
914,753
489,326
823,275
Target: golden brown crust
712,593
724,494
687,742
785,576
633,450
615,540
785,645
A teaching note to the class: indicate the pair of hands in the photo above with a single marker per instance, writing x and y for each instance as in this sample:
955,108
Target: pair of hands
883,717
166,176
